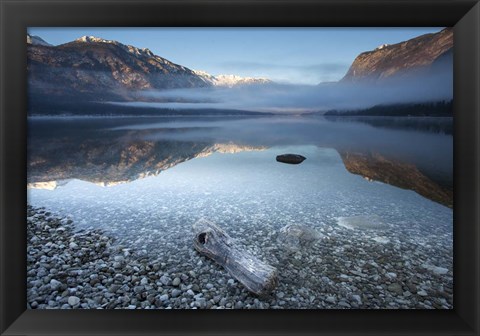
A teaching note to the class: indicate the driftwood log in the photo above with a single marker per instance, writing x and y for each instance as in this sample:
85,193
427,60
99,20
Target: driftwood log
257,276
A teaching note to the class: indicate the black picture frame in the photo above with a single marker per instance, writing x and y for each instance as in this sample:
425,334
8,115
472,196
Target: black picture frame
17,15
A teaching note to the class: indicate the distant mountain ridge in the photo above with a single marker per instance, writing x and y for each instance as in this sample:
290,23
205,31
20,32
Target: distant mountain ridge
102,68
414,56
231,80
91,69
107,69
36,40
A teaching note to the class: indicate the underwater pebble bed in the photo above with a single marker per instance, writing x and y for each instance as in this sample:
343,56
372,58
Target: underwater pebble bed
130,246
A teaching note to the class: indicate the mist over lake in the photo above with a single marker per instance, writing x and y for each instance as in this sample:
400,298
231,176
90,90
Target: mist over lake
290,98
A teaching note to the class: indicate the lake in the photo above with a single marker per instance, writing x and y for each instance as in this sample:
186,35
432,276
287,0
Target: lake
378,191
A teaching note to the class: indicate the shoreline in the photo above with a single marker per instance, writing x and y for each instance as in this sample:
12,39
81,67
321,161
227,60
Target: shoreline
88,269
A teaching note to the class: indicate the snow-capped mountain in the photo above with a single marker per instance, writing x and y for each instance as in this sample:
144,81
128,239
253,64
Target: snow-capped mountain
36,40
106,69
206,77
230,80
102,69
140,52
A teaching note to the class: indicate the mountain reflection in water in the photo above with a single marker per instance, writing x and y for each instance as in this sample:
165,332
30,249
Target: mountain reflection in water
410,153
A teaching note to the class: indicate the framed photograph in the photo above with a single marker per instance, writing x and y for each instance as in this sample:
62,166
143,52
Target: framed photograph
207,167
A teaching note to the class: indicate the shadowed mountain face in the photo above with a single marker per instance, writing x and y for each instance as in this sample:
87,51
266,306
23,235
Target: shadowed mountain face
420,55
102,68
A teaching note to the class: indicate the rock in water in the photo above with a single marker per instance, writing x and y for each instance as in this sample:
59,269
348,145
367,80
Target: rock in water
291,158
257,276
293,237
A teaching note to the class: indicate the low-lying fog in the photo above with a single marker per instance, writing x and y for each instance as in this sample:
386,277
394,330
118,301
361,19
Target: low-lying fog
277,97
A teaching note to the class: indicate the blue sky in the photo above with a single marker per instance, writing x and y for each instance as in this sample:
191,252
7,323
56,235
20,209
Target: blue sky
292,55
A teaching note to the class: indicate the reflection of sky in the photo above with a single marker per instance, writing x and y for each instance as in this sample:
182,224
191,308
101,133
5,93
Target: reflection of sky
430,151
295,55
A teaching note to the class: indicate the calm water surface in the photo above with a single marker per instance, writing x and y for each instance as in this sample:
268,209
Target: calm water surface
80,147
122,174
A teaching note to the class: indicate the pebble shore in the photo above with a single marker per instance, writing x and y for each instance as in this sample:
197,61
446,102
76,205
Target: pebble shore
69,268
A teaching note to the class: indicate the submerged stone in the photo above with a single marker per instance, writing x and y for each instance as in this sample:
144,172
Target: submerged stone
363,223
293,237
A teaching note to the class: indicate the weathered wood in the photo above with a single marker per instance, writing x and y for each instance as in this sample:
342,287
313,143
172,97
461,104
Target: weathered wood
291,158
257,276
